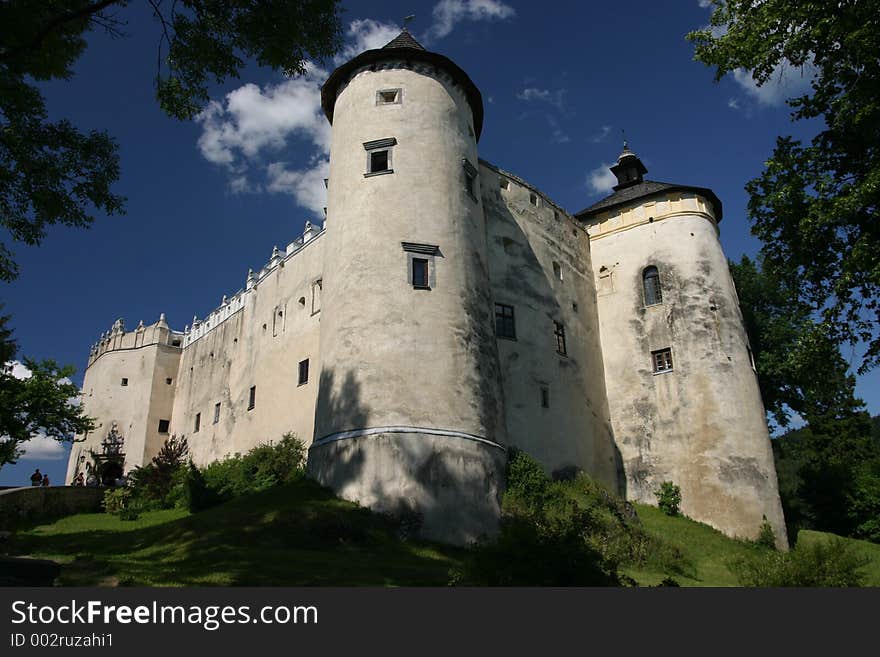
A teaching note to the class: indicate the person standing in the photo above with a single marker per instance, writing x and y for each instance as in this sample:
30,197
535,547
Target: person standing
45,481
37,478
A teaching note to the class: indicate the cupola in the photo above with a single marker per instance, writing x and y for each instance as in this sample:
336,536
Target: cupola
629,169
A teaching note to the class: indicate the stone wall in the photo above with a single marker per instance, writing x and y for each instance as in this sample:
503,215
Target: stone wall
28,505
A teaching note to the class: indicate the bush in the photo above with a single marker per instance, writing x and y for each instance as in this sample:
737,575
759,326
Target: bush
766,536
669,498
153,484
262,467
824,563
122,503
196,496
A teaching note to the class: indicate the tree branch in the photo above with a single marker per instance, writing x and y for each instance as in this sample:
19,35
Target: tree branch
55,23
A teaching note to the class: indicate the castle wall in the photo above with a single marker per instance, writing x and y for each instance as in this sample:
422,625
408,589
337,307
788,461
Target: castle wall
257,338
145,359
701,424
525,241
401,363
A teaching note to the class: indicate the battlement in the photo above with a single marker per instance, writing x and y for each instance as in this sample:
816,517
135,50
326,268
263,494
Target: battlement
231,305
117,338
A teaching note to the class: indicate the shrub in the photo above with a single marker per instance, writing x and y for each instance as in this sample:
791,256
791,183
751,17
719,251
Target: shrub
196,494
262,467
766,536
122,503
823,563
153,483
669,498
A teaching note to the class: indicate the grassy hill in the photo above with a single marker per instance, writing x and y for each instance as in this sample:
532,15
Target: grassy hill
299,534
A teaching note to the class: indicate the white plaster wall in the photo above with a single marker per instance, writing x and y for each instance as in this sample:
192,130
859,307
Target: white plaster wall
137,407
237,352
524,242
701,425
394,355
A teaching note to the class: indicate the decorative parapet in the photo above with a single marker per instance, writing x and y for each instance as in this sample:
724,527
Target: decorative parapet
117,338
231,305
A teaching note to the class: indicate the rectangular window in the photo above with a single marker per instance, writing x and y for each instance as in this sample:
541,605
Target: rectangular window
163,426
545,397
419,272
252,399
662,360
533,199
317,288
216,412
379,156
303,372
168,381
378,161
124,382
198,423
557,271
505,323
559,332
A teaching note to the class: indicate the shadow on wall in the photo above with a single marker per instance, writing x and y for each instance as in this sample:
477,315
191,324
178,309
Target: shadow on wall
522,276
444,488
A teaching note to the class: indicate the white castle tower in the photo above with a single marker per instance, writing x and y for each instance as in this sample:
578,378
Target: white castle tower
679,373
409,412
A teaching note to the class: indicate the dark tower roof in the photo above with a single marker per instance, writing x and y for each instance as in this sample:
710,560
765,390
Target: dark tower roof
403,46
631,185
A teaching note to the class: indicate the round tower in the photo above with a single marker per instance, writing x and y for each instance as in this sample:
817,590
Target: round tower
409,416
682,389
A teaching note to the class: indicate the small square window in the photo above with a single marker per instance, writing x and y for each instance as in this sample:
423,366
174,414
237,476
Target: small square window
198,423
505,322
163,426
168,381
252,398
388,97
662,360
124,382
216,412
303,372
420,272
559,332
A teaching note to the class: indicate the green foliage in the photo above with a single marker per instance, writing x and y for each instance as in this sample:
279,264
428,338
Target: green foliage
52,173
122,502
823,563
263,467
561,533
158,484
197,496
815,207
39,404
766,536
669,498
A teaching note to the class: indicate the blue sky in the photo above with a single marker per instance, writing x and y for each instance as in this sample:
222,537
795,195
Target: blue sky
208,199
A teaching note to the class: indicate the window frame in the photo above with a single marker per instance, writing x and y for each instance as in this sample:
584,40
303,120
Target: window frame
252,398
378,146
167,426
217,413
421,266
303,369
668,365
198,423
398,96
652,292
415,251
559,333
505,320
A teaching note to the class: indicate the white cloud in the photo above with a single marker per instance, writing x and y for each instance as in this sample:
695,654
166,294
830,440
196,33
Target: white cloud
448,13
42,448
366,34
305,185
600,179
602,135
533,94
733,103
705,4
18,370
785,82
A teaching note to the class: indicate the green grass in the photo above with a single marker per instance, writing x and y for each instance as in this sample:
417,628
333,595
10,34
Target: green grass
299,534
294,535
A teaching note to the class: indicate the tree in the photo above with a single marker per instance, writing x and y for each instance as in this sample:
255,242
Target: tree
40,404
815,207
50,172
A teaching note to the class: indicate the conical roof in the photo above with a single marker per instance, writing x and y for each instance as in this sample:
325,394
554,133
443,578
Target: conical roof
404,40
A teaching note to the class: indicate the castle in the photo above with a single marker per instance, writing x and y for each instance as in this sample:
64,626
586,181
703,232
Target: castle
448,310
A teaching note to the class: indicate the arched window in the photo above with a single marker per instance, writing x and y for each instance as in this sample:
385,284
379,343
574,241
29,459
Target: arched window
651,283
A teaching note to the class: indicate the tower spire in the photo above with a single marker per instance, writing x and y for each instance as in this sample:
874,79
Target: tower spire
629,169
